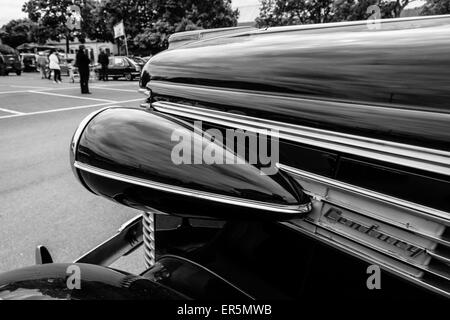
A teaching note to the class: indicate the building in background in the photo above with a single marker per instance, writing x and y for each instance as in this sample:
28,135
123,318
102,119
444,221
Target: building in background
248,11
92,46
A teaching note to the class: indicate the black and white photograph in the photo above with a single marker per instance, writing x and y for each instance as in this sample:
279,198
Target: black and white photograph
225,156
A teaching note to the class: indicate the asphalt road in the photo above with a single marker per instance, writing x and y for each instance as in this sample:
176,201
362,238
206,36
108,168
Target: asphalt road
40,200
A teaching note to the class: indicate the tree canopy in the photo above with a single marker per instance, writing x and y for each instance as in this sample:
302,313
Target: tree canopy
19,31
148,24
436,7
291,12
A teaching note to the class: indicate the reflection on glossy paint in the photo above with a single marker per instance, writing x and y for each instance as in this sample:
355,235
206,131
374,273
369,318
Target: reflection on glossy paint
333,78
138,143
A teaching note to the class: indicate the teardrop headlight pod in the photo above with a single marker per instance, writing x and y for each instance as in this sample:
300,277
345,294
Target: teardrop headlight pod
127,155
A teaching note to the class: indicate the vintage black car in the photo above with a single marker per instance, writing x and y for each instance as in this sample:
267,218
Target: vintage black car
359,177
9,60
121,67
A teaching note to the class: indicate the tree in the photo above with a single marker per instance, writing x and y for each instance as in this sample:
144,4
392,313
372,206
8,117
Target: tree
53,14
16,32
148,24
393,9
351,10
176,16
436,7
291,12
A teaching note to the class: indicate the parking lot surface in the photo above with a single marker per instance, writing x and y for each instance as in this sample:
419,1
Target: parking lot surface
40,200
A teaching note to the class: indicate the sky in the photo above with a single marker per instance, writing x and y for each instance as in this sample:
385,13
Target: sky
11,9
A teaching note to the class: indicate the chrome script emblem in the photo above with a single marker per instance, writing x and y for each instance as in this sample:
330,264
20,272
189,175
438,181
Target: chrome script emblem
335,216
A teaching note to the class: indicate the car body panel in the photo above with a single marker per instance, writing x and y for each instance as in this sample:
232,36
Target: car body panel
363,121
107,156
389,84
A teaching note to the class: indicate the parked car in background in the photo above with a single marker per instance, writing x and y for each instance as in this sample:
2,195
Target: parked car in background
29,62
9,60
121,67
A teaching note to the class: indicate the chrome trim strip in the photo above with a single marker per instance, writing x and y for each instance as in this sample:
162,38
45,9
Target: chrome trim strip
292,209
365,257
431,160
426,212
439,257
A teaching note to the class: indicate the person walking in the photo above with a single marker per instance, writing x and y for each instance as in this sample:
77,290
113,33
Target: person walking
82,63
54,66
103,59
42,62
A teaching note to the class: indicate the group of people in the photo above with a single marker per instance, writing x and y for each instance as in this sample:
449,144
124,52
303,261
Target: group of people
50,64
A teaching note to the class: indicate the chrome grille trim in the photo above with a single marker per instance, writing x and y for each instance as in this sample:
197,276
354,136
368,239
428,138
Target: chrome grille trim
422,222
435,238
426,159
433,271
365,255
429,261
416,209
439,257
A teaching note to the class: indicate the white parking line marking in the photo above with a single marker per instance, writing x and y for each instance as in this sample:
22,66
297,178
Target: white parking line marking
74,97
32,91
22,91
68,109
115,84
114,89
44,89
10,111
13,86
